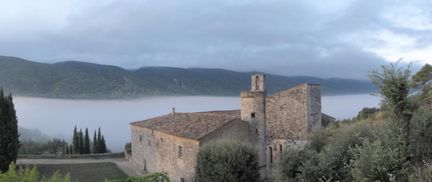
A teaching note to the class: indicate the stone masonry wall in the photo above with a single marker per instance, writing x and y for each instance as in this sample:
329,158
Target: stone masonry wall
286,114
314,107
253,103
161,153
143,156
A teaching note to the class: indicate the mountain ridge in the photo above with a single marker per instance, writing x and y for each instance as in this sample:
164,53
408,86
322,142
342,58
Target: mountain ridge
84,80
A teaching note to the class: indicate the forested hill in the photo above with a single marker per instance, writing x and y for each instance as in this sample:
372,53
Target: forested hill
74,79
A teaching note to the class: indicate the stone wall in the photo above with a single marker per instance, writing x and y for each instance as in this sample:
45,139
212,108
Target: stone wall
314,108
286,114
74,156
160,152
143,155
253,110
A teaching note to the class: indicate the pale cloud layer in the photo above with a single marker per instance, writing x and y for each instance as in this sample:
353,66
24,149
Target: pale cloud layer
338,38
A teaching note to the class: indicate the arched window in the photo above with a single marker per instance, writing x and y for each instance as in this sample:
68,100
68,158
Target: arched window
270,155
257,82
280,151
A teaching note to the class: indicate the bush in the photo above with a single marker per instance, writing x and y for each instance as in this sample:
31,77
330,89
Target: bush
226,160
320,138
128,148
383,158
327,155
30,175
421,134
367,113
299,164
423,174
376,161
423,75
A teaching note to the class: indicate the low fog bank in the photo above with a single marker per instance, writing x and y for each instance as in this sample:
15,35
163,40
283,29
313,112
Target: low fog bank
58,117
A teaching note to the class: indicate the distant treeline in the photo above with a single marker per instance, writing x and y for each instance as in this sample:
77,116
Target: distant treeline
41,147
81,143
74,79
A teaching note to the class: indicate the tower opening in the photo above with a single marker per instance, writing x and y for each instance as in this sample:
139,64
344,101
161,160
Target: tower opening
270,154
280,151
257,87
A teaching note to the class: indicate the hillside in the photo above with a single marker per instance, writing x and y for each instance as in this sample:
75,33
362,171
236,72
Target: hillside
73,79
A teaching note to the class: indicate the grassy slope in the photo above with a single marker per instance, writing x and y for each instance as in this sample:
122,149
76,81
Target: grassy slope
90,172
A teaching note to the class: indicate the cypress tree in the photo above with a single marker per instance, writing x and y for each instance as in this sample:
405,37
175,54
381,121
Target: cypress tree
99,143
9,137
86,142
66,149
75,141
103,145
71,149
81,142
94,143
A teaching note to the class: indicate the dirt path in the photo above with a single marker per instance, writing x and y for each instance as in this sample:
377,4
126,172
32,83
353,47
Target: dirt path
121,163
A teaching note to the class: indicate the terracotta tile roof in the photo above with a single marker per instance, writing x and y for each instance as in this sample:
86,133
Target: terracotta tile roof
190,125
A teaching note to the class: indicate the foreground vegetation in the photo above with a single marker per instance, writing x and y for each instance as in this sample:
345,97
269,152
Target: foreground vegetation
83,172
9,137
226,160
392,143
107,172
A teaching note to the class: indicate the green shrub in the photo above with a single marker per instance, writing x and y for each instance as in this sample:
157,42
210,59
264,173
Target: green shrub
383,158
423,174
423,75
226,160
421,135
367,113
327,155
299,164
320,138
30,175
128,148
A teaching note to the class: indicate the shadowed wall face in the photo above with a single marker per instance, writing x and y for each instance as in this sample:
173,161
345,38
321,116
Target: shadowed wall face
287,114
154,151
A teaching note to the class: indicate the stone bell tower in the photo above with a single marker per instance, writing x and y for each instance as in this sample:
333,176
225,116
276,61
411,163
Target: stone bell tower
253,110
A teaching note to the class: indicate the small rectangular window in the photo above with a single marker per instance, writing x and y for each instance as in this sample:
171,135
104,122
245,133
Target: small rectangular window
140,138
253,115
180,151
182,180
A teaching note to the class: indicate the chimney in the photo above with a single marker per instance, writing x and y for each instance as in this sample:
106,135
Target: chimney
173,110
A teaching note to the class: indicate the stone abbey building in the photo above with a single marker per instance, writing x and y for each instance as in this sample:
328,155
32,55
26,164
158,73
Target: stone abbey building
170,143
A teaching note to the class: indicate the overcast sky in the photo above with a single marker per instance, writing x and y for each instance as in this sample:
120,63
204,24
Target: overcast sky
340,38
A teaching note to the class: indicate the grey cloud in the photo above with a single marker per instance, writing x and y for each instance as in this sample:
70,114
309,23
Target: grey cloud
283,37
